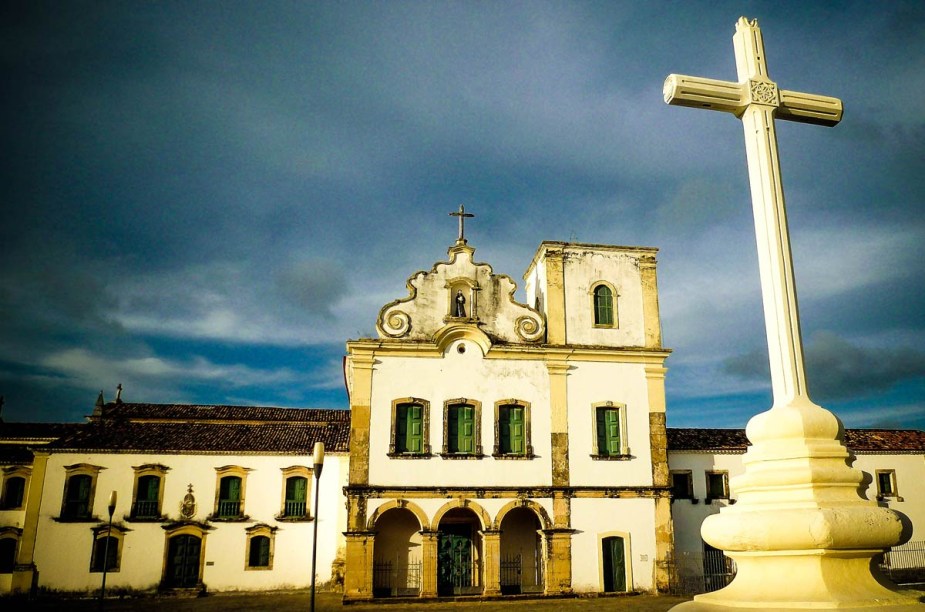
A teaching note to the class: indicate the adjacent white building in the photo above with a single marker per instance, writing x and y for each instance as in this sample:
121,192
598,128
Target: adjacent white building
207,497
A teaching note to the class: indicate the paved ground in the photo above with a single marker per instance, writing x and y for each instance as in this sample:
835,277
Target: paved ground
331,602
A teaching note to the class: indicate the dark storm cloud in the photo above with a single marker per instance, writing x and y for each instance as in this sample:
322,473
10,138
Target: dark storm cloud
837,369
190,188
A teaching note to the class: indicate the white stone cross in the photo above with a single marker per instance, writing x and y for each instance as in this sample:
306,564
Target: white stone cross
756,100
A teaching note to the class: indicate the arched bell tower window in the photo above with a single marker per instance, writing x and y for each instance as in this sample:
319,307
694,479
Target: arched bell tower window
604,305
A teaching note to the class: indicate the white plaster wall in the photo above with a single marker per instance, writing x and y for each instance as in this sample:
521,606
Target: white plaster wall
535,285
451,376
583,268
621,383
63,550
910,485
687,515
593,517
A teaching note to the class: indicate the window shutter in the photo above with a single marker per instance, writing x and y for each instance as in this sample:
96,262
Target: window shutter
415,429
401,428
295,489
232,488
505,444
466,429
601,431
613,432
517,444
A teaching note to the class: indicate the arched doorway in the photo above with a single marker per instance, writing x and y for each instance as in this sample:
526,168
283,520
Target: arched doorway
459,553
397,563
521,552
183,569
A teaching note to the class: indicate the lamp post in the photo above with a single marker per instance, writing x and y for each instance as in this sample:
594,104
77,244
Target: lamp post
318,464
112,509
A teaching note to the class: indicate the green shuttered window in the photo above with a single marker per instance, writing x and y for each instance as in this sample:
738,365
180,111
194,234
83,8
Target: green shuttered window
461,429
511,430
603,306
608,431
409,428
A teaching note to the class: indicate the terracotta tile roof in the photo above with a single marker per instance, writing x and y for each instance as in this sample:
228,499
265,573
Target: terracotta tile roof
734,440
202,413
704,439
186,437
35,432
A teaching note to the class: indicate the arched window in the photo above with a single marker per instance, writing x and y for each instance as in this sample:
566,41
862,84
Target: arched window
603,306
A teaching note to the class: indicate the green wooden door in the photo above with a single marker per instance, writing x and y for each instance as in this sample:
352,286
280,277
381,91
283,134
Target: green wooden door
183,562
454,560
614,565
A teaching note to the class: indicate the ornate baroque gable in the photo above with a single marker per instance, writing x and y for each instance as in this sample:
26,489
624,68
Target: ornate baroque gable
460,294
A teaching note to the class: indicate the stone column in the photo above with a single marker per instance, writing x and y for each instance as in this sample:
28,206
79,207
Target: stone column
429,540
555,297
24,572
558,561
491,562
358,579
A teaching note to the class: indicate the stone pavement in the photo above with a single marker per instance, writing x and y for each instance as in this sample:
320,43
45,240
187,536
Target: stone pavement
331,602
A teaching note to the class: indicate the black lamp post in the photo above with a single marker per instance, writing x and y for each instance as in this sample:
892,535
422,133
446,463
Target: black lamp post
112,509
319,463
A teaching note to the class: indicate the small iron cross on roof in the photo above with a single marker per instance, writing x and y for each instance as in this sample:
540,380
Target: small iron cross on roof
462,214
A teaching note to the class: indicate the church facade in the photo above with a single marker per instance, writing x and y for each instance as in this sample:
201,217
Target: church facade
491,439
491,448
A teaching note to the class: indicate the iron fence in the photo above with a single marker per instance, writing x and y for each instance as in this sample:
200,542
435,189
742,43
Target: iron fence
397,579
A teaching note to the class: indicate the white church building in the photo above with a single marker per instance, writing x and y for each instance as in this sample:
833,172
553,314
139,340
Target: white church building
491,448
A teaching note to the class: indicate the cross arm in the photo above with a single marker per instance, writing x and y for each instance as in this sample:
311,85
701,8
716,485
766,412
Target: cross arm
809,108
698,92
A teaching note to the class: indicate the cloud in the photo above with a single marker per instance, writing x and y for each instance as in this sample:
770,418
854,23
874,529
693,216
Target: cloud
838,369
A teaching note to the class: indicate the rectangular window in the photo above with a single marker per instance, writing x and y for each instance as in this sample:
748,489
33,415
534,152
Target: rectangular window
409,428
105,548
682,485
511,430
296,498
461,429
77,497
148,496
717,485
886,483
608,431
14,489
229,497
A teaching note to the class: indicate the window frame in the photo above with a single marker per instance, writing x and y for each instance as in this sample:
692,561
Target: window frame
9,474
596,312
528,446
100,533
893,494
230,471
689,475
74,471
296,471
261,530
724,474
620,409
476,406
14,534
142,471
425,429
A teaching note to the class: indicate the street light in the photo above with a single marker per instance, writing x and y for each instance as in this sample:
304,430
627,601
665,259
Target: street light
112,509
319,463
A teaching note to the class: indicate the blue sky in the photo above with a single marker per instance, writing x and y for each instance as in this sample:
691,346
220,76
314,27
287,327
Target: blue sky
203,201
